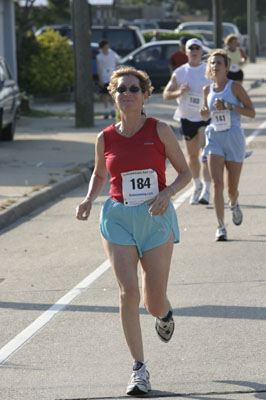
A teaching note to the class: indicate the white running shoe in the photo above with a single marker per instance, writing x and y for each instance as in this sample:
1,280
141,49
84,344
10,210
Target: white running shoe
237,215
164,329
221,235
139,382
194,199
205,196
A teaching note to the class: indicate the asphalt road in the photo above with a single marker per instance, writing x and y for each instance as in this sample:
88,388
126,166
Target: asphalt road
60,329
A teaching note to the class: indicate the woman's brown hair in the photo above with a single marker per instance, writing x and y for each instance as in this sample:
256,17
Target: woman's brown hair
122,70
217,52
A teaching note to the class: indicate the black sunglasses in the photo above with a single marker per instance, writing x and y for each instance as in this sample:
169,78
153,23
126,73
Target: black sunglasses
194,47
132,89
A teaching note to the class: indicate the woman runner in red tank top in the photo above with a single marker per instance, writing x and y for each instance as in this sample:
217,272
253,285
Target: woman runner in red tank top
138,221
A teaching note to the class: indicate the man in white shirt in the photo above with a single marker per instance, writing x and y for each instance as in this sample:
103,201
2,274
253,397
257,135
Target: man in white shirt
107,61
186,86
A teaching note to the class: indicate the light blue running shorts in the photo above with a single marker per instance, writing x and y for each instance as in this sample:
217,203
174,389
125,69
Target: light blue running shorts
230,144
134,226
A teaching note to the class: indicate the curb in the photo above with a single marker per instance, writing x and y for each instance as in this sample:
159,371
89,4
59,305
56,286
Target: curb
44,196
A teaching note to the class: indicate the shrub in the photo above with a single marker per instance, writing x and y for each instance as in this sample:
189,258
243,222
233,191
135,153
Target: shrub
49,69
29,46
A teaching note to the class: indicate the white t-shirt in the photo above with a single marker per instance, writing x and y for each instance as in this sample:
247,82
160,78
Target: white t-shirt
190,103
107,64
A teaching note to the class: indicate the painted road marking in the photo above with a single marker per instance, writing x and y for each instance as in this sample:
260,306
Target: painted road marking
15,344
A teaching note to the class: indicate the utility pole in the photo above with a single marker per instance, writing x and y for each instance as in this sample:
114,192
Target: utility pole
82,63
217,22
251,19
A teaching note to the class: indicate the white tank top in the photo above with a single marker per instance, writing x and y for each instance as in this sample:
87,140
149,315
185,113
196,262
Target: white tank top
190,103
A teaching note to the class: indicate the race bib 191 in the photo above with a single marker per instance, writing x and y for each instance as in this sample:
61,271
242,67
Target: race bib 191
221,120
139,186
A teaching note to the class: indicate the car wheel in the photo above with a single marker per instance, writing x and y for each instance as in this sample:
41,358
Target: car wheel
7,133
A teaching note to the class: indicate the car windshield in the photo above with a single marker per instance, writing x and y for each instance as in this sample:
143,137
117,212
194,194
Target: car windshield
121,38
152,53
117,39
227,29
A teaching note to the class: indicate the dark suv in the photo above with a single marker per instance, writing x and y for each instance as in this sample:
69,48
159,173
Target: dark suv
122,40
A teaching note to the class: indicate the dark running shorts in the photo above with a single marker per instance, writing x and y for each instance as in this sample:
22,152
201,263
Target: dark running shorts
103,90
236,76
189,129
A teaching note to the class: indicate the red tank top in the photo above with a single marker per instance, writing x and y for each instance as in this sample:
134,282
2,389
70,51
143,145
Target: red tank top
142,151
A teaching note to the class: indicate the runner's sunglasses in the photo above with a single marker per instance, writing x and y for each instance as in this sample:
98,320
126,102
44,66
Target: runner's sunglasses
194,47
132,89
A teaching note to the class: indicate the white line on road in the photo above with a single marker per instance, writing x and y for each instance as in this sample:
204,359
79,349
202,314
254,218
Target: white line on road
18,341
255,133
15,344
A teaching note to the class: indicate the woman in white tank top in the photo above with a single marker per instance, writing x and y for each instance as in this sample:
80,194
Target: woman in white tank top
237,56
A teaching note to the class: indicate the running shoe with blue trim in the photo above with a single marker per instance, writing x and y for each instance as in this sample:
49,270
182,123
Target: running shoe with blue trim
139,382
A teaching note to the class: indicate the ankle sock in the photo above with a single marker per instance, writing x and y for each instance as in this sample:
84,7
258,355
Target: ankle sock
197,183
137,365
168,316
206,185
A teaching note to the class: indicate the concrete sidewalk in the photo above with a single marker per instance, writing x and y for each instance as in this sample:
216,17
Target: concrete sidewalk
49,156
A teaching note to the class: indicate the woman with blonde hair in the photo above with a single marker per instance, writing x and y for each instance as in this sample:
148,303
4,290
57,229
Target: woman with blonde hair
138,220
224,102
238,58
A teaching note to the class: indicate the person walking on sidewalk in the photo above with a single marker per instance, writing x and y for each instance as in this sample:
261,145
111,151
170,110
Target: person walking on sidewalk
107,61
186,86
138,222
225,101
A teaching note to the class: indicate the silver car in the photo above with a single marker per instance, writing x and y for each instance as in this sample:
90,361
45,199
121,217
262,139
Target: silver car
9,102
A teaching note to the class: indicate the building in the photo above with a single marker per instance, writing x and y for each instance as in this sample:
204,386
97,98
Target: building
8,34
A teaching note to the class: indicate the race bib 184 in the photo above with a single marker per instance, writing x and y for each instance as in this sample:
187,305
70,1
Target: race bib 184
139,186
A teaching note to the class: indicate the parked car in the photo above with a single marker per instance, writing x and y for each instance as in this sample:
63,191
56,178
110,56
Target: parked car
9,102
144,24
153,58
157,30
168,23
194,26
121,39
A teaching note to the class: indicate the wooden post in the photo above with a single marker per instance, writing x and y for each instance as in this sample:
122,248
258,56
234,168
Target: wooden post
251,14
82,63
217,22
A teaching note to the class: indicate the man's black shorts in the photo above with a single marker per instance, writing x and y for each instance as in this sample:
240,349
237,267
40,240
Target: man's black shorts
236,76
190,129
